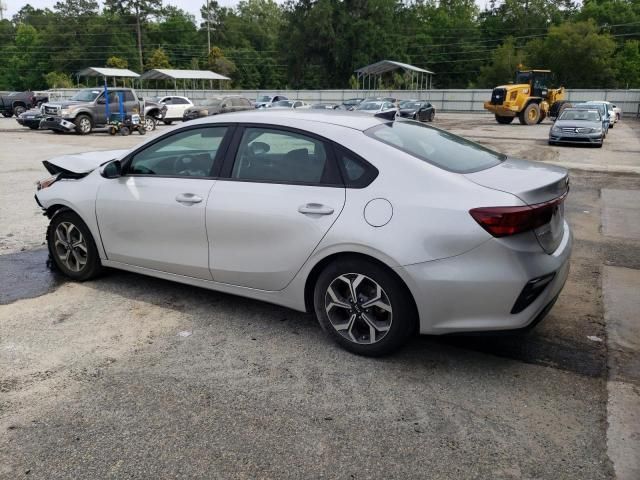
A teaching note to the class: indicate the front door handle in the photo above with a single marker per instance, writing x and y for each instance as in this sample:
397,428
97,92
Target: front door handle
315,209
188,198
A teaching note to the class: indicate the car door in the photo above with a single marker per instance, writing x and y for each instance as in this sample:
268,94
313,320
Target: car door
168,101
277,197
153,216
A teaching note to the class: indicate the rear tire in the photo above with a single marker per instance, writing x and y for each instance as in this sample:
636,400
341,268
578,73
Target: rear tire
530,115
72,248
432,115
381,318
150,123
504,120
19,110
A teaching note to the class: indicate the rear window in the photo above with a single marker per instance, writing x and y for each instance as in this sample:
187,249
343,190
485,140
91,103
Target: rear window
442,149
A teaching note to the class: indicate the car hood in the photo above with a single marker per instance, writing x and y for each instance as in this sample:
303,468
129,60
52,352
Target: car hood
81,162
577,124
531,182
65,104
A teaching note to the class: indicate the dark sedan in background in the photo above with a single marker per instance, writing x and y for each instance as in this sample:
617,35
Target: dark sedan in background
216,105
30,118
417,110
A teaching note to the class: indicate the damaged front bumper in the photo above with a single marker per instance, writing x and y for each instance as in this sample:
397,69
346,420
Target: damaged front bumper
57,123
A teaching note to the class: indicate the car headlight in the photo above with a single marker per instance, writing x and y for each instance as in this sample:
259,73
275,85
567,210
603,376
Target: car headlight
596,130
65,112
47,182
555,129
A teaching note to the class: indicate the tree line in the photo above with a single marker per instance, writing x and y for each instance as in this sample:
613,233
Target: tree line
320,43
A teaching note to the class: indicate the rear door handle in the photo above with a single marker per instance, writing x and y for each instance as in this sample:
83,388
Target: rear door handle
188,198
315,209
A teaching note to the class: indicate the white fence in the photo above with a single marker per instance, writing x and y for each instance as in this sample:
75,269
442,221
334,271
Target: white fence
460,100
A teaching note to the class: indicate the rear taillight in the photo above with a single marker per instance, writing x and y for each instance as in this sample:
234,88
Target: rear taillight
505,221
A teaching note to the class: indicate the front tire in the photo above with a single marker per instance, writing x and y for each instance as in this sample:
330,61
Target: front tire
83,124
504,120
72,248
363,307
530,115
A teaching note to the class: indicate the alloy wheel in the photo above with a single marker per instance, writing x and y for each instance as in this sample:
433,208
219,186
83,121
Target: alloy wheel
358,308
85,125
149,123
71,246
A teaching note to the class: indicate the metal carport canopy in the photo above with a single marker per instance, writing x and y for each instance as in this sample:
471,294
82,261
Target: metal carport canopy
384,66
107,72
167,74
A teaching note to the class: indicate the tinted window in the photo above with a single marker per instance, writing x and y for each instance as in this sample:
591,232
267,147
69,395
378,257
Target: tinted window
128,96
278,156
189,153
438,147
179,101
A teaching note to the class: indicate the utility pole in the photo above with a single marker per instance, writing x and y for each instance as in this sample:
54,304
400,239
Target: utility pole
208,29
3,7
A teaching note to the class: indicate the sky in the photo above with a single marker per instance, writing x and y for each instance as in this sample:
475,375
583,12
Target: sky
191,6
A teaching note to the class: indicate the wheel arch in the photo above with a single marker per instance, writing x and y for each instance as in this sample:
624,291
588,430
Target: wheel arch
314,273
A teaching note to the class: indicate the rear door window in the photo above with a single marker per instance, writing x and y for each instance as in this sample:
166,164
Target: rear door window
266,155
442,149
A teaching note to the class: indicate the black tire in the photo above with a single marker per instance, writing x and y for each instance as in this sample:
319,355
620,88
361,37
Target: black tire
504,120
33,127
558,107
19,110
92,266
403,316
432,115
142,130
124,131
167,122
83,123
542,117
530,115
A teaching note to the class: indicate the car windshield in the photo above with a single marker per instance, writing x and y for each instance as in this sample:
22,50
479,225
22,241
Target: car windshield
264,98
601,108
369,106
442,149
283,103
584,115
410,104
86,95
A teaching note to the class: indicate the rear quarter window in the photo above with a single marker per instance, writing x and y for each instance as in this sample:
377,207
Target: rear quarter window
437,147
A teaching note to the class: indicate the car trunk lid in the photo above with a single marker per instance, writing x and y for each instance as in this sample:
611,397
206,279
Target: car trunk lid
535,184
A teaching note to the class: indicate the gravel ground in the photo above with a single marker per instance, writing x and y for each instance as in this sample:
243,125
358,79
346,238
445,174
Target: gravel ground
133,377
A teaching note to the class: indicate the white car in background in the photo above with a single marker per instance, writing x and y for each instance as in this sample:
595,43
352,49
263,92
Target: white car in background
288,104
176,107
614,116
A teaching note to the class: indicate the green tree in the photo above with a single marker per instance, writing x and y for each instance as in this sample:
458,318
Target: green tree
627,62
217,62
158,59
58,80
577,53
140,10
117,62
503,65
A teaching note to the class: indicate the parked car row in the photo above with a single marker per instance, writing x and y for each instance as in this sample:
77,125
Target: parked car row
89,108
585,123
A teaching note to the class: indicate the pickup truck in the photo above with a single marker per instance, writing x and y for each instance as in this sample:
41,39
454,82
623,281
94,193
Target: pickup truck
15,103
87,110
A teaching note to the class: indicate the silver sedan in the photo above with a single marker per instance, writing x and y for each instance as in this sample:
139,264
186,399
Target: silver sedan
382,228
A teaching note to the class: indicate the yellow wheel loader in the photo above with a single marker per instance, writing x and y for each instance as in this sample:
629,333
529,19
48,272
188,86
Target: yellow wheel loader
529,98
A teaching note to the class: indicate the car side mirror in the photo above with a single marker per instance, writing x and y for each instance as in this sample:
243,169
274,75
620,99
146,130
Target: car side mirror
112,169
